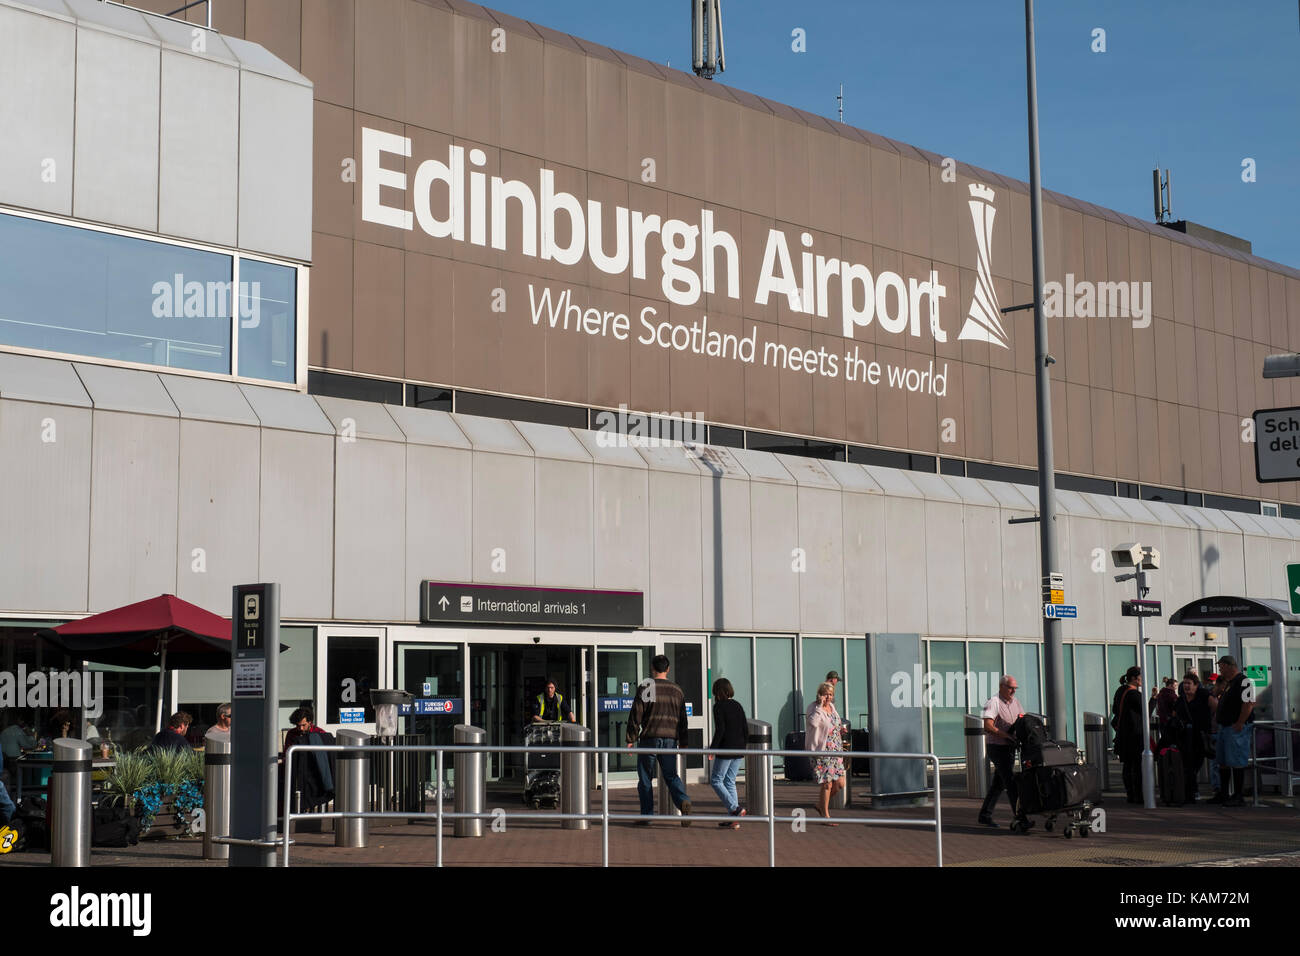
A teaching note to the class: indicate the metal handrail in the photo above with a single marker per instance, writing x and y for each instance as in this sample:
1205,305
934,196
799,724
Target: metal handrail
605,816
1275,761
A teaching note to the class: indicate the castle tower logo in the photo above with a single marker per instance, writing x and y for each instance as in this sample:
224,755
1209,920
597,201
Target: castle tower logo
984,321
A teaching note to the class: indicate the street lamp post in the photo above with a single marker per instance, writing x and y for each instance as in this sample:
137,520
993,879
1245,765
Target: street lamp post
1141,558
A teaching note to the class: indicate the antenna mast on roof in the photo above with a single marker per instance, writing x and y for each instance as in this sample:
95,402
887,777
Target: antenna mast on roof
840,99
707,53
1164,195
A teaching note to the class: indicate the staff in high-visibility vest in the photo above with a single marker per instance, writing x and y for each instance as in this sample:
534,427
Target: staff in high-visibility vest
551,706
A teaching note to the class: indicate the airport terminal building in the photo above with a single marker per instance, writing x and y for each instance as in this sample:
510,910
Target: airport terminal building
508,355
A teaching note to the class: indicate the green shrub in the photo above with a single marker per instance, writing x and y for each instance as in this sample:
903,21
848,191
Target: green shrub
132,772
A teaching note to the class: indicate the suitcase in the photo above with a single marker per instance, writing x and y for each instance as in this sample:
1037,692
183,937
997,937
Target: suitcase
861,744
799,769
1173,785
1053,789
1051,753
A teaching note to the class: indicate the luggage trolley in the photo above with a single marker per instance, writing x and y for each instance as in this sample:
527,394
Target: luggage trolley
542,767
1053,782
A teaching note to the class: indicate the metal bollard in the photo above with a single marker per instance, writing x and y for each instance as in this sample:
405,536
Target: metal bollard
575,786
350,791
1094,743
470,781
758,795
70,803
977,759
665,804
217,759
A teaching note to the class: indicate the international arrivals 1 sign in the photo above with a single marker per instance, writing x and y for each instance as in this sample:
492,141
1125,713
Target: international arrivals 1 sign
443,602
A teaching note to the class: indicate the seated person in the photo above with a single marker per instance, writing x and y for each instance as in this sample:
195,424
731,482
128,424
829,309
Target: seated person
172,737
313,771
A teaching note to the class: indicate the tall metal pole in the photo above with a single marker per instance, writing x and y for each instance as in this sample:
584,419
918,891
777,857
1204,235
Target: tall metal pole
1148,759
1053,655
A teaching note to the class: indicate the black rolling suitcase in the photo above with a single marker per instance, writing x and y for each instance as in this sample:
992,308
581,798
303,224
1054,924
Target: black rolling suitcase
798,769
861,744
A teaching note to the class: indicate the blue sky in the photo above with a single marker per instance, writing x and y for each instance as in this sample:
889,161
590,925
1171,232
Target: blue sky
1195,85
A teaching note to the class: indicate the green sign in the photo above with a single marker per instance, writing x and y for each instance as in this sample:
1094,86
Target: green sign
1293,586
1258,674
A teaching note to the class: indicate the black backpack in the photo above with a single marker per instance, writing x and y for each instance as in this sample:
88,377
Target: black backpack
1031,734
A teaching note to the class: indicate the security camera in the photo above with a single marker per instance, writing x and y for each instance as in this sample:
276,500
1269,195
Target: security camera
1127,555
537,640
1150,558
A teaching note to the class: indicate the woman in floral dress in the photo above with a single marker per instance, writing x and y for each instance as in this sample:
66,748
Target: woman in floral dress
824,737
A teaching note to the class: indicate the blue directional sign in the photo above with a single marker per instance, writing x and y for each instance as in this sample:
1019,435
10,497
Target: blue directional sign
1060,610
615,704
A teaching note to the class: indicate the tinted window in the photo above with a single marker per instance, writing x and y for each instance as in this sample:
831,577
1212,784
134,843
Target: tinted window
268,297
354,387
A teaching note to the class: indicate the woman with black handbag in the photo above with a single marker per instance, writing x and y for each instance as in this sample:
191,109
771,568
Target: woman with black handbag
1192,711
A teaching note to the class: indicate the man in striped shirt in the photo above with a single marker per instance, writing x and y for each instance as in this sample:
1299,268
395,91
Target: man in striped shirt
658,720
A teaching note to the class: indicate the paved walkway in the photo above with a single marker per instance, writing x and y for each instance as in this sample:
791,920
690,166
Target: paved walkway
1134,837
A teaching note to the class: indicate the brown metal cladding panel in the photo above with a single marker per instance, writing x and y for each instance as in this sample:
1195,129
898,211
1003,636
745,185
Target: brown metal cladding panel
753,241
1060,426
478,331
1102,419
922,413
1192,469
726,375
1145,344
853,252
1094,250
533,357
1207,449
1123,346
427,309
1002,254
1058,346
468,250
329,340
1079,425
824,177
1221,275
1052,268
1117,255
952,312
1203,289
757,161
1027,420
430,67
1180,263
1072,254
567,356
650,202
722,186
855,189
393,198
510,167
525,108
1216,369
1100,332
721,299
380,69
1243,401
607,120
1161,276
688,371
327,49
1020,328
916,267
861,417
914,177
1000,357
609,359
790,164
970,351
1278,330
950,410
1125,436
1259,305
574,182
611,193
1225,452
1003,417
649,383
891,403
276,25
378,338
1293,316
1014,210
762,386
947,212
786,315
473,10
477,80
831,392
647,128
1139,260
1167,363
976,421
795,386
1168,445
688,138
886,260
886,210
227,18
1265,390
1076,360
1242,326
332,197
1190,387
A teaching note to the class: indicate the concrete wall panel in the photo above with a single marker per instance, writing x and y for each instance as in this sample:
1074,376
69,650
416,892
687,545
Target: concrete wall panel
821,535
676,572
504,524
774,534
439,490
296,531
621,526
275,166
565,550
907,597
728,596
865,584
369,530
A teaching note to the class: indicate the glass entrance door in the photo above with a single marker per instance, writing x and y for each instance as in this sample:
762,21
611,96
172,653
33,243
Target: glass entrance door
432,675
618,672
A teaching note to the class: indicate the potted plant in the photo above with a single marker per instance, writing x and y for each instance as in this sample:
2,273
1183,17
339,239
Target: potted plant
131,774
167,802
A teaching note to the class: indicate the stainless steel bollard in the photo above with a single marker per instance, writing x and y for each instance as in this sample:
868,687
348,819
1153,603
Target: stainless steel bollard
977,760
665,799
758,795
470,781
575,786
1094,743
216,793
70,803
351,788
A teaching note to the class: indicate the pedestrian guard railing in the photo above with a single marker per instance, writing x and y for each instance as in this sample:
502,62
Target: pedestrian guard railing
1279,762
441,815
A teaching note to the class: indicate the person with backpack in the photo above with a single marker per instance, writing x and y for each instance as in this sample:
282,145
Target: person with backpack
1127,722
